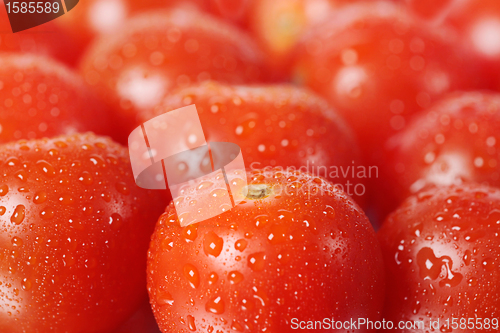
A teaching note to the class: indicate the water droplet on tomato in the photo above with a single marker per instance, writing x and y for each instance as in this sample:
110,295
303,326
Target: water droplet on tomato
192,275
46,168
122,188
40,197
115,221
4,189
240,245
86,178
191,324
18,215
212,244
26,284
215,305
164,298
234,277
256,261
213,278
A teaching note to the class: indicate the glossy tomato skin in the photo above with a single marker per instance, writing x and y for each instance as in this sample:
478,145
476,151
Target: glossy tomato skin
74,235
304,251
442,252
452,142
160,51
42,98
275,125
379,66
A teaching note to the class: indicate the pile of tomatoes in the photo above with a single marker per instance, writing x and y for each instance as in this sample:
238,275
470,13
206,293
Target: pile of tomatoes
369,130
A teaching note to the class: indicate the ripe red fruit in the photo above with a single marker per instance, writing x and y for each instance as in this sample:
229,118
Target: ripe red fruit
297,247
278,125
159,51
74,235
379,66
442,256
454,141
41,98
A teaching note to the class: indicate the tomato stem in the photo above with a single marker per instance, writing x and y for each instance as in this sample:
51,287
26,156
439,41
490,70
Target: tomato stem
257,191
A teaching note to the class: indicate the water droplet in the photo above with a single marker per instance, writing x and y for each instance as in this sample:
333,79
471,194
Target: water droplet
234,277
213,278
86,178
40,197
256,261
122,188
47,213
4,189
235,326
489,264
261,221
2,210
329,212
18,215
215,305
192,275
66,199
190,232
26,284
204,185
164,298
16,241
212,244
240,245
431,267
190,322
46,168
115,221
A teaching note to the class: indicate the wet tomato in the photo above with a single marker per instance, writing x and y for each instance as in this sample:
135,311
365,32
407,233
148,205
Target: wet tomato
74,232
442,256
296,249
42,98
379,66
157,52
275,125
452,142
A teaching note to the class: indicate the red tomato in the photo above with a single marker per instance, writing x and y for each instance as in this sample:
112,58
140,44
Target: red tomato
74,234
41,98
47,39
92,18
160,51
297,247
454,141
276,125
379,66
478,24
442,256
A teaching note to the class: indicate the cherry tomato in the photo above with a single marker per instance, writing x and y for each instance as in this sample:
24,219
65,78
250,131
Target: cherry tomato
47,39
160,51
92,18
442,256
379,66
454,141
74,235
41,98
297,247
275,125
